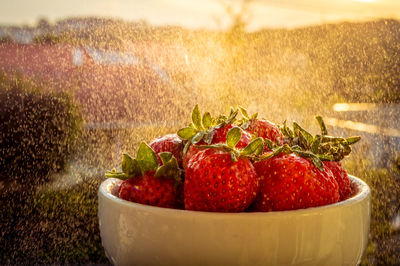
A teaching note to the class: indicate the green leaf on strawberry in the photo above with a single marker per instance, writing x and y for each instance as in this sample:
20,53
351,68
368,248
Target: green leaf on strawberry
147,158
244,112
233,137
116,174
130,166
301,132
322,125
253,149
317,148
198,136
196,118
186,133
202,127
207,120
145,162
169,168
165,156
352,140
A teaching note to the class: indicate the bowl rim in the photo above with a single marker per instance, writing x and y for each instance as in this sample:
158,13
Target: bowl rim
107,185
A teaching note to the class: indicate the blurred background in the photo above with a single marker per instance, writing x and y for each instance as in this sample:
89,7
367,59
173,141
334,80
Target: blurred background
83,81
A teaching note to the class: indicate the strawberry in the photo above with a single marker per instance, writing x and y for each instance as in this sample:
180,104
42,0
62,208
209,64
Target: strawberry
168,143
205,130
145,181
149,190
221,178
187,158
265,129
192,151
341,178
329,149
289,182
261,128
219,136
215,183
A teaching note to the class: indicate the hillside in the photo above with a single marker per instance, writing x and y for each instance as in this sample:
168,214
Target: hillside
357,61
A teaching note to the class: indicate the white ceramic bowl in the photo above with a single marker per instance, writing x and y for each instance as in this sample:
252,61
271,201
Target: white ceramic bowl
136,234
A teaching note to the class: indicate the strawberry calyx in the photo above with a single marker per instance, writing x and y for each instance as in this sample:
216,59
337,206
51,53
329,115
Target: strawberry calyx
169,168
328,148
146,161
252,150
318,148
246,120
202,127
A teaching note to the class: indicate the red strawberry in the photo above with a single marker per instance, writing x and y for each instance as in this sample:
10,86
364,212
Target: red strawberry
219,136
341,178
215,183
146,182
192,151
266,130
168,143
150,190
205,130
261,128
330,149
179,204
288,182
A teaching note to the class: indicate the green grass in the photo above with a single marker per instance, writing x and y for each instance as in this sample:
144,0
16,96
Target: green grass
53,227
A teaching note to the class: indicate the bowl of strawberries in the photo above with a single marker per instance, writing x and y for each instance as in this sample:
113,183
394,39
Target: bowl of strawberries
229,191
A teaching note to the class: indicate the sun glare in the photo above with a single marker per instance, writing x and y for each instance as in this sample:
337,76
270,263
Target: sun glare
344,107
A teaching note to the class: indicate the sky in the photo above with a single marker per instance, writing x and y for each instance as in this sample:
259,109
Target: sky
210,14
